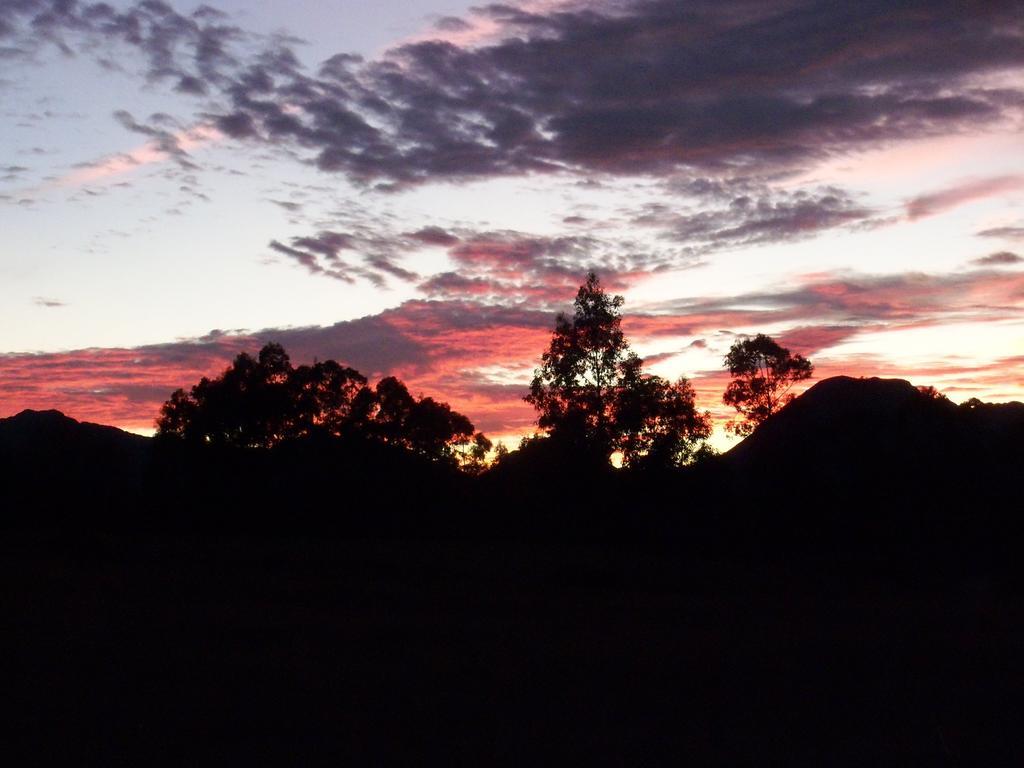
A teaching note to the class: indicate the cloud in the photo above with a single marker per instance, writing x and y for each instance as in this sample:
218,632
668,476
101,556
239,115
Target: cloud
191,50
165,144
870,301
493,266
43,301
626,88
653,87
321,254
808,340
436,347
513,267
965,192
12,172
163,140
998,259
737,214
1007,233
434,236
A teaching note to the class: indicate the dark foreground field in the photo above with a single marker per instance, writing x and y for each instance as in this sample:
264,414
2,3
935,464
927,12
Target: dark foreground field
842,588
173,651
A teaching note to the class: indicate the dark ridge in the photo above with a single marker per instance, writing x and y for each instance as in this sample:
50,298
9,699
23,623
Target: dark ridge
875,474
850,433
51,430
59,471
875,453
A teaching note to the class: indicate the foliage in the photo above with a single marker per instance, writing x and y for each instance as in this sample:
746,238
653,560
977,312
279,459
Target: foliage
762,374
264,401
574,390
591,393
658,420
472,456
501,452
249,405
931,393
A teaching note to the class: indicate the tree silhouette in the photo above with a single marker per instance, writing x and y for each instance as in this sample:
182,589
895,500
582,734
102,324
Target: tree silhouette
384,411
591,393
323,396
263,401
248,406
575,387
762,374
659,424
472,456
931,393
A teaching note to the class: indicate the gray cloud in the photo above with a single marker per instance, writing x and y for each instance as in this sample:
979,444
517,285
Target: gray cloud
998,259
1007,233
434,236
747,213
166,140
851,300
370,257
43,301
648,86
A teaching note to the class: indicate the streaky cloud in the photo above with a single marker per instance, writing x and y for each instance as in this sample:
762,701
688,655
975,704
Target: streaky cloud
943,200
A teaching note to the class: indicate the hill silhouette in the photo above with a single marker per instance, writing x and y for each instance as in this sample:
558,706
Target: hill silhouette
844,427
882,467
50,437
55,469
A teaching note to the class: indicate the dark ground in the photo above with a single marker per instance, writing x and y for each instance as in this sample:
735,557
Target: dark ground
176,651
842,589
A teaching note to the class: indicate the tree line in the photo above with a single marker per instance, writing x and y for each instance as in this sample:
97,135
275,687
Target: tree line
262,401
590,392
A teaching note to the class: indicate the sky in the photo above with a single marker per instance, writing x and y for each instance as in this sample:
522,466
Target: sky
416,188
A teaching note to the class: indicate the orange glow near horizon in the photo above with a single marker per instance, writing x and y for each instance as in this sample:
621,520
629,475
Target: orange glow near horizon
126,388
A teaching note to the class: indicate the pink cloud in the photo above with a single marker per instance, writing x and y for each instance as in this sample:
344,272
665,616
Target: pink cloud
146,154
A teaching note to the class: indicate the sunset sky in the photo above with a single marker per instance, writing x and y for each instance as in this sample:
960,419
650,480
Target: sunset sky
416,188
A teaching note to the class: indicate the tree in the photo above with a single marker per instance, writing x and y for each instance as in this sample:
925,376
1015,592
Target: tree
435,430
324,394
762,374
658,421
591,393
931,393
575,387
263,401
247,406
472,455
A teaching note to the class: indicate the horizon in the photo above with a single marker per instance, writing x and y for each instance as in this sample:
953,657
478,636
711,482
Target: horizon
417,192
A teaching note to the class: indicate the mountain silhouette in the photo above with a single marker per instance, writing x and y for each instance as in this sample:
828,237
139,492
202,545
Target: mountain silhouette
48,433
880,468
55,469
844,426
867,439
